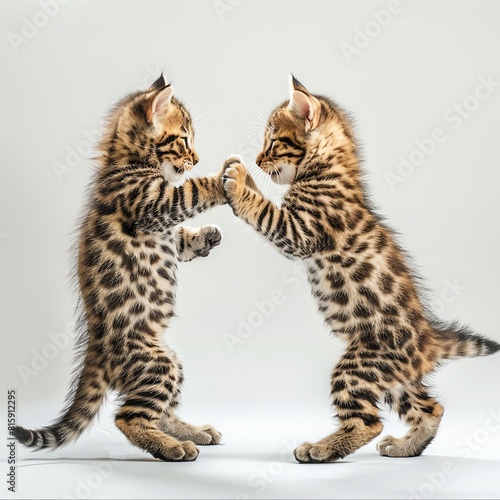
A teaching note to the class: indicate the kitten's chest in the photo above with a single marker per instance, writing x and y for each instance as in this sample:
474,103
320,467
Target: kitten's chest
139,261
329,281
154,259
336,292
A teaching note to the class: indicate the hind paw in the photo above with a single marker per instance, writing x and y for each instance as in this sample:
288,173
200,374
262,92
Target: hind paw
206,435
402,448
316,453
184,451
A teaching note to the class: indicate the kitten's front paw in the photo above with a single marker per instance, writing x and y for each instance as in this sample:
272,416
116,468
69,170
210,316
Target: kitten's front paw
234,176
205,239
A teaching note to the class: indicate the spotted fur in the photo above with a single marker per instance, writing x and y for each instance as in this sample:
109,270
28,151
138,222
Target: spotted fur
358,275
129,245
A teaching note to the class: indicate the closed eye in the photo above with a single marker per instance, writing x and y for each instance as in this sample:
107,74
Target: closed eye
186,142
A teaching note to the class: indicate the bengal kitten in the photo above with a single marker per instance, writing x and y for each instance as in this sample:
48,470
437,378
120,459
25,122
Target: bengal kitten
128,250
357,273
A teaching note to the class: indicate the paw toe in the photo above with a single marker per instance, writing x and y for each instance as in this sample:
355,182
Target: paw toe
214,236
302,453
191,452
202,438
215,435
384,444
231,160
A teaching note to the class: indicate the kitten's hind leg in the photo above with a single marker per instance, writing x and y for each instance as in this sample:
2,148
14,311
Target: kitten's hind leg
175,427
355,392
200,435
192,243
421,412
148,397
143,433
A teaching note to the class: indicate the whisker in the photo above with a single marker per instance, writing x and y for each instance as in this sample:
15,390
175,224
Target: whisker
198,116
260,116
260,175
196,121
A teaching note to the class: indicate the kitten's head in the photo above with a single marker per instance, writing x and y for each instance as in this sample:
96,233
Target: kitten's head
299,130
151,128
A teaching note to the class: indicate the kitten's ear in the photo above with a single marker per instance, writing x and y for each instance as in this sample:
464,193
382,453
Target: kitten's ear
160,103
159,84
303,104
296,85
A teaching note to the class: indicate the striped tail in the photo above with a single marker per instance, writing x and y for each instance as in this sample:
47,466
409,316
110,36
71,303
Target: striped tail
83,405
458,341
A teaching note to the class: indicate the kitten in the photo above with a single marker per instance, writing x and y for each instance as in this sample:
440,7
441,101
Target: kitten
357,273
129,245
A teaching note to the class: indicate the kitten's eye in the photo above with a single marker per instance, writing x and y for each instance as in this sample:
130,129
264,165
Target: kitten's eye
186,142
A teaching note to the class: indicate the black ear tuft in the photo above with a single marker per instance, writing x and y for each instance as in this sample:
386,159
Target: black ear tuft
296,85
159,84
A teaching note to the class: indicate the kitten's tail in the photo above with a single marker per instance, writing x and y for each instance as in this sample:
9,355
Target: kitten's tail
458,341
83,405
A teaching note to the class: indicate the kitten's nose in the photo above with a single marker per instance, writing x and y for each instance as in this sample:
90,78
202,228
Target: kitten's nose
259,158
195,158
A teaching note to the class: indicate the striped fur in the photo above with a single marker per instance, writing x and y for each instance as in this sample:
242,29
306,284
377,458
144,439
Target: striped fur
358,275
129,245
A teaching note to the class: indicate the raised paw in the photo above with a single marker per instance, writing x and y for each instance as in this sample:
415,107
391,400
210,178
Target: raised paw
183,451
205,239
315,453
206,435
231,161
234,176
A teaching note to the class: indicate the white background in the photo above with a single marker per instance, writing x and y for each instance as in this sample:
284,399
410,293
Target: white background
229,61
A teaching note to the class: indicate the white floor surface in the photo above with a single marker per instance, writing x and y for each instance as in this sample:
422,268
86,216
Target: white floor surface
255,460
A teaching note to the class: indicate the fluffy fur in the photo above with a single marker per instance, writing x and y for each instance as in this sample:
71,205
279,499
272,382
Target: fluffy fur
129,245
358,275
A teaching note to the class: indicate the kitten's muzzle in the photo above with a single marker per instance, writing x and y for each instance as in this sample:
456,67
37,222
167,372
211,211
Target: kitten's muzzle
188,164
269,167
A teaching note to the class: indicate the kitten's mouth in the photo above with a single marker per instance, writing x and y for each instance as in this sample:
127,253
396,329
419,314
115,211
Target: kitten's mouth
269,168
283,173
172,173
